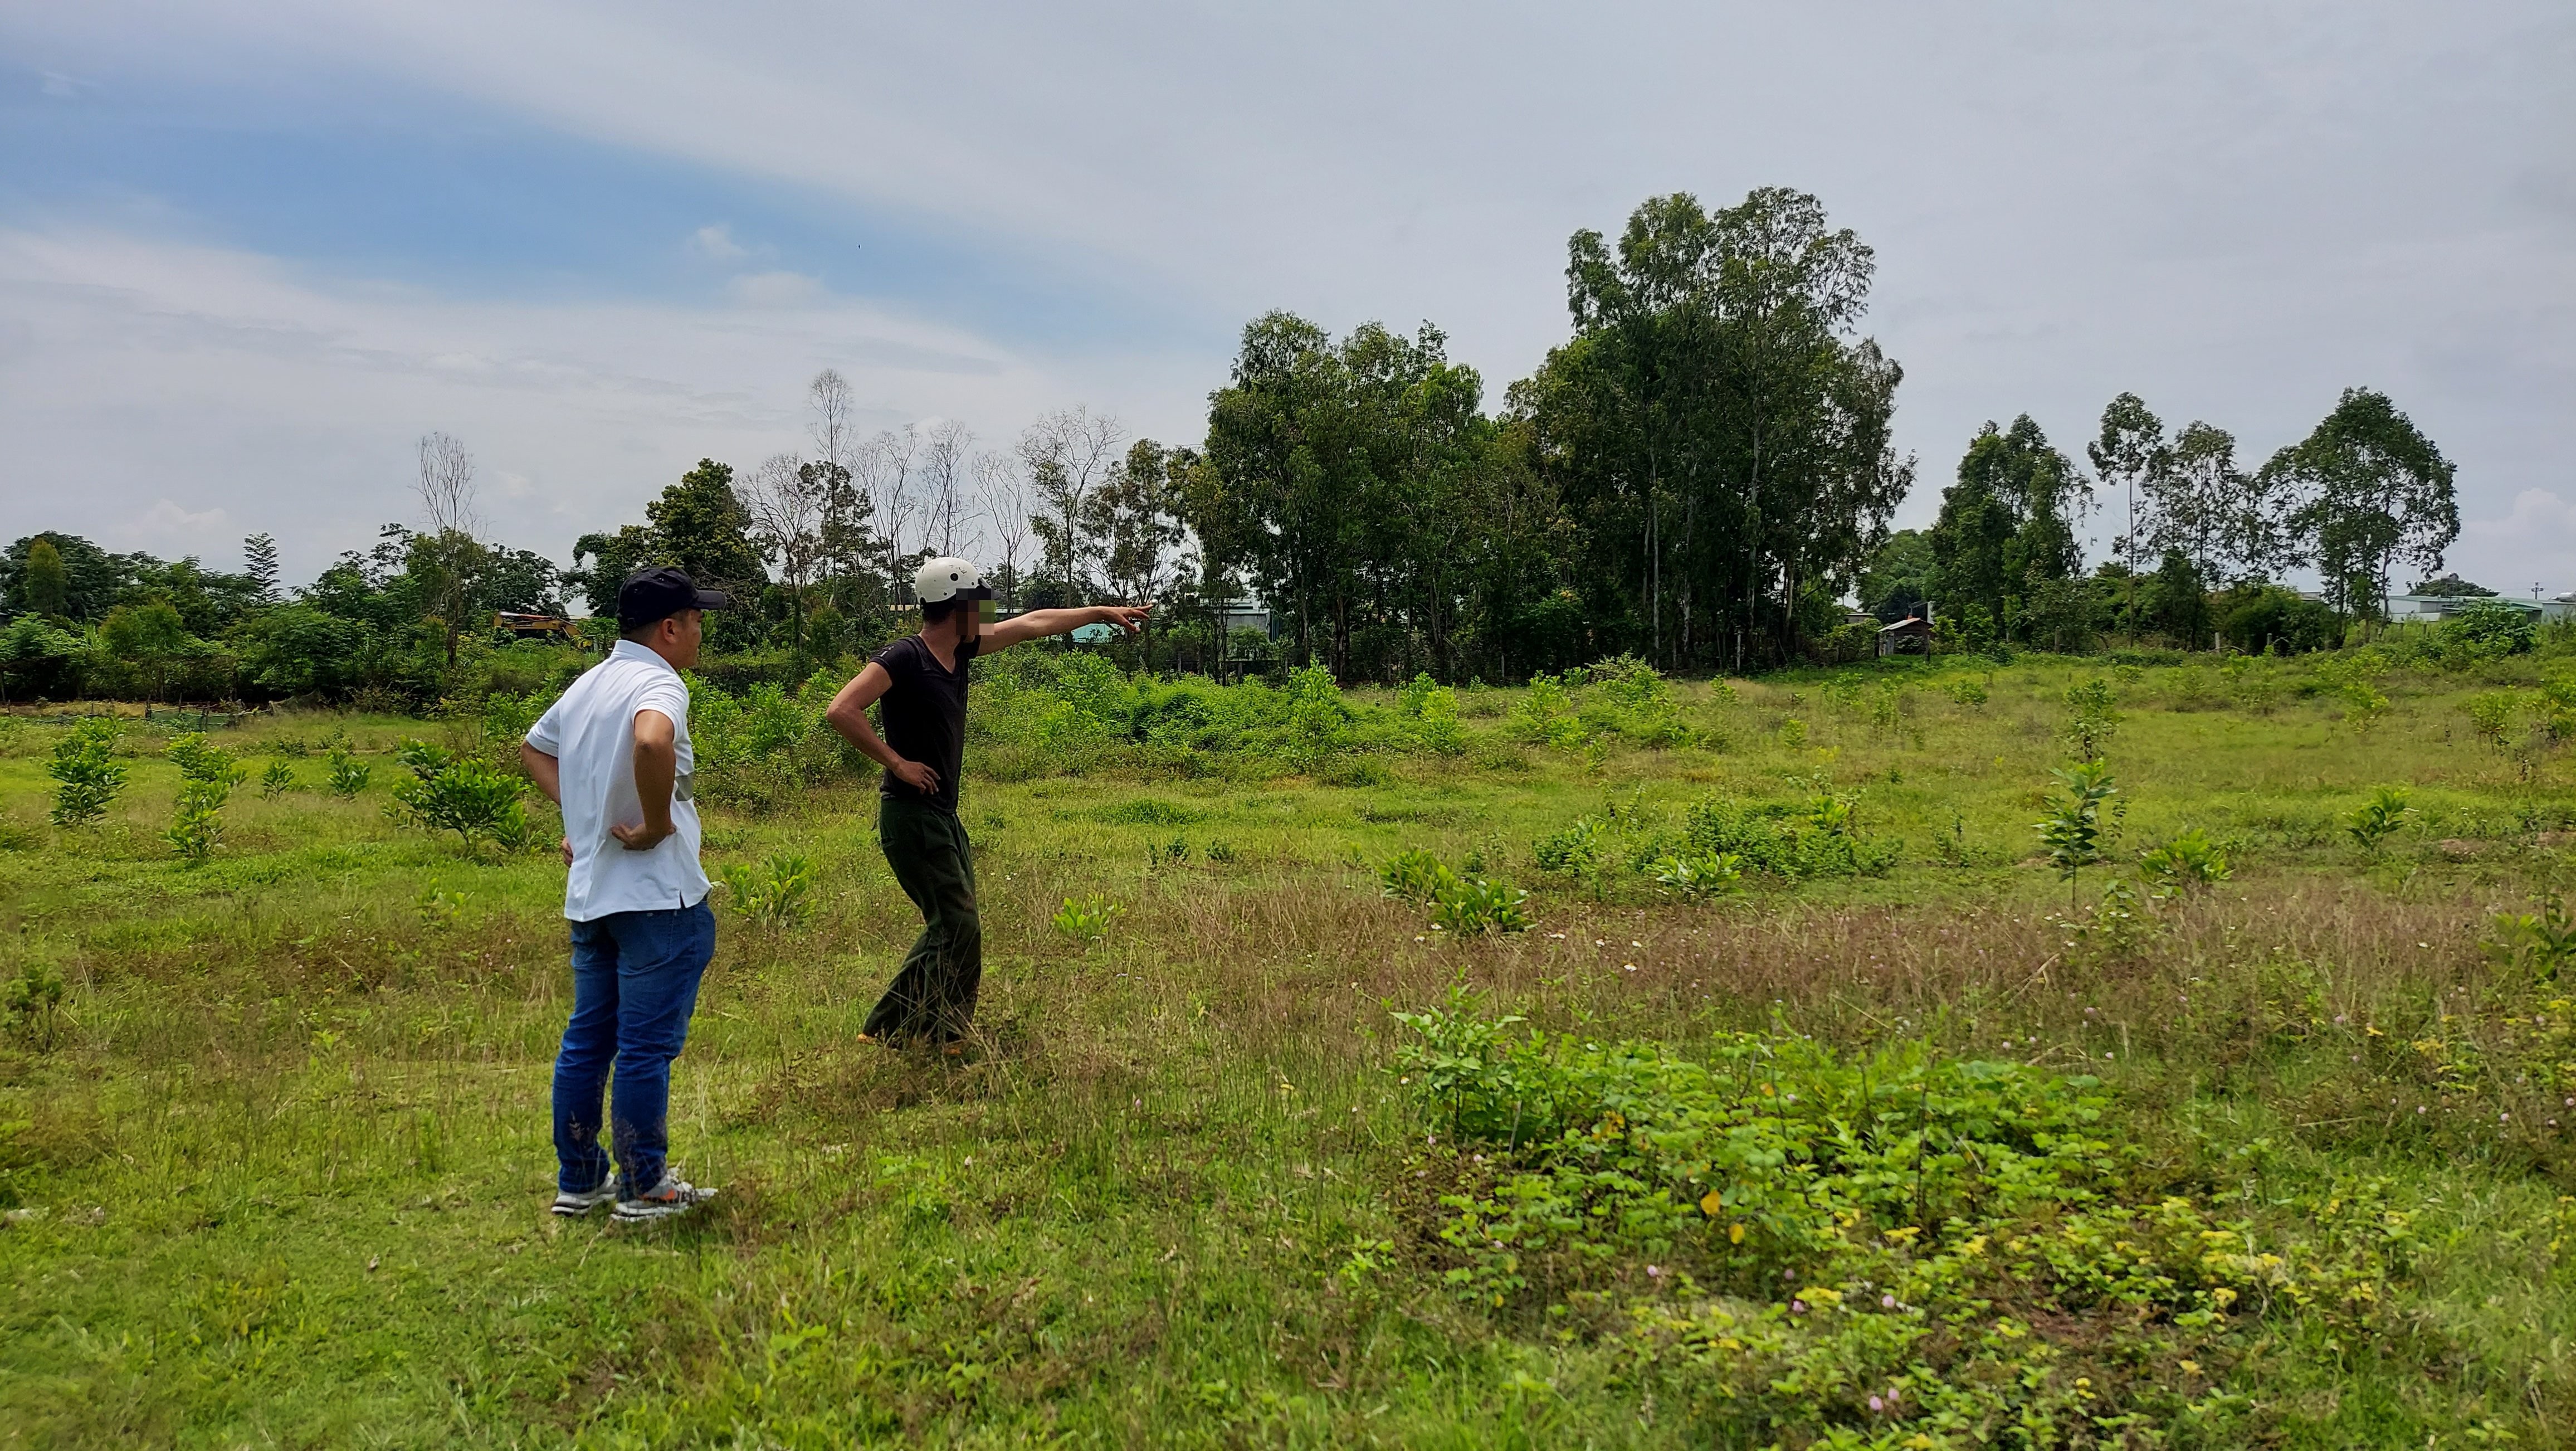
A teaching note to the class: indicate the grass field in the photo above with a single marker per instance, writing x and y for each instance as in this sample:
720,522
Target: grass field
2278,1161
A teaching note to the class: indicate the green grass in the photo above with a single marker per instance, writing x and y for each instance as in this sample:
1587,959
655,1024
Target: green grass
281,1178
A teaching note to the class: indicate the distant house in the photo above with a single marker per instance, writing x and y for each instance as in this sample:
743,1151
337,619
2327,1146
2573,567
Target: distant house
2433,609
1909,636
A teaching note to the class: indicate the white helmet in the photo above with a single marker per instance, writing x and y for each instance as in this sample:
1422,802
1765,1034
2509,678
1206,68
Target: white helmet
949,577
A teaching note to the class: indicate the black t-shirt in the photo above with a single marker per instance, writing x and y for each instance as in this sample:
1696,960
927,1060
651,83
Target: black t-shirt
923,715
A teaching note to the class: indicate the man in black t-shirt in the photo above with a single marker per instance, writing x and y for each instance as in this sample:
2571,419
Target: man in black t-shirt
921,680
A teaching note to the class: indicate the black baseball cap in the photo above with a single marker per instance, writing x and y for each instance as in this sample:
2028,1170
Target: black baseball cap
651,596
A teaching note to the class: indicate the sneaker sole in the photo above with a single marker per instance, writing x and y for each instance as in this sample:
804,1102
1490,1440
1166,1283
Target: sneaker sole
623,1215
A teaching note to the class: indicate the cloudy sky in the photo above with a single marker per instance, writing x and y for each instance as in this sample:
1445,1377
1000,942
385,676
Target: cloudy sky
248,254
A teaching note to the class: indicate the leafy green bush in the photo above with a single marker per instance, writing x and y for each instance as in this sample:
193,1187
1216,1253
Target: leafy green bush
33,1002
2071,833
2488,629
198,761
1087,919
1698,874
777,893
1822,838
2375,820
277,780
2091,717
86,771
349,775
1414,876
2542,943
196,824
473,798
1463,906
1969,691
2187,863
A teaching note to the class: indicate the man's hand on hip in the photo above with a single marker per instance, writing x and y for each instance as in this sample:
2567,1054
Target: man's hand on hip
919,777
644,836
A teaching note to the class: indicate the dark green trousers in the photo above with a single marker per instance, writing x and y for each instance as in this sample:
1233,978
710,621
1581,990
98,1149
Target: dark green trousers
932,996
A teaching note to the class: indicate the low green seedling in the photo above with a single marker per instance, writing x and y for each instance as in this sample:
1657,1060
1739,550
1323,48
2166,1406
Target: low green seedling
2541,943
2188,863
1474,906
1699,875
2374,821
277,780
1086,919
777,893
349,775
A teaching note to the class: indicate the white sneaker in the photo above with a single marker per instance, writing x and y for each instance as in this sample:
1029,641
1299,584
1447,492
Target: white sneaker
573,1206
674,1195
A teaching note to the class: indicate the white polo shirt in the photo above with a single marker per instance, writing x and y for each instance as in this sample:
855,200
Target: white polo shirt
591,731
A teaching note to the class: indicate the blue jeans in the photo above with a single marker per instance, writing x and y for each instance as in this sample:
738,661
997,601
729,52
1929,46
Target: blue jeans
634,983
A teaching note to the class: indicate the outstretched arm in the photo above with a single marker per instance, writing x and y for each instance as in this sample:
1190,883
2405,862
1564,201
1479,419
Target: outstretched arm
848,714
1038,624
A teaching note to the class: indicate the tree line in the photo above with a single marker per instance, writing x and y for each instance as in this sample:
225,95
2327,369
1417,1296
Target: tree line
1699,475
2203,544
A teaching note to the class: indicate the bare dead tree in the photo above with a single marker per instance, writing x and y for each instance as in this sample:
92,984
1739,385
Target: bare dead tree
446,554
945,504
1002,496
786,499
888,469
835,433
1069,455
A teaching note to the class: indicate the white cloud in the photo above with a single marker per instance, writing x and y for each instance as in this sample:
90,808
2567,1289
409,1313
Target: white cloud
716,244
197,394
202,532
775,289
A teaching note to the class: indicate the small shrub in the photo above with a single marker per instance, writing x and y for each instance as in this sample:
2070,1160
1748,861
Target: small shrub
2375,820
2187,863
198,761
1414,876
2072,831
2491,715
277,780
1220,852
88,773
2091,719
1821,839
473,798
1575,848
196,824
778,893
1475,905
349,775
33,1001
1087,920
1698,874
2542,943
1793,734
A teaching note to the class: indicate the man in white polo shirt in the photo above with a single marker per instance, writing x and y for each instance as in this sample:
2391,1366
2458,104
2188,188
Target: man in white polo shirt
614,754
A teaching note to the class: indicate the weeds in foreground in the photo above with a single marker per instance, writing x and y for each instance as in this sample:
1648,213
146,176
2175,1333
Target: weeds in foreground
1776,1239
2541,943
